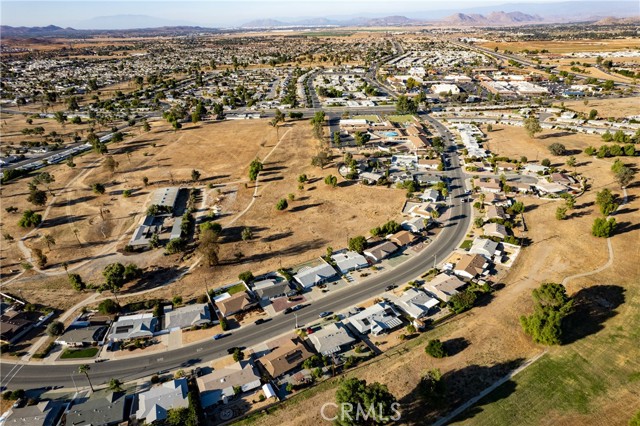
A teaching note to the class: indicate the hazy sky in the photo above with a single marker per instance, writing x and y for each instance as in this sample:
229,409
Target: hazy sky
78,14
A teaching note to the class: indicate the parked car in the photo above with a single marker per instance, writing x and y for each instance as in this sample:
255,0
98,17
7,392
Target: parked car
260,321
218,336
325,314
390,287
288,310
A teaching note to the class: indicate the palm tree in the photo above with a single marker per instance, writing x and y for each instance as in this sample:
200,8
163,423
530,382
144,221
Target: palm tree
84,369
115,385
49,241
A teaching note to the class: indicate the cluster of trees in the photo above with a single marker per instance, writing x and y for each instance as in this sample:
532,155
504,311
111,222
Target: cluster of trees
623,174
620,137
360,138
373,399
116,275
317,121
551,306
612,151
331,180
405,105
357,244
390,227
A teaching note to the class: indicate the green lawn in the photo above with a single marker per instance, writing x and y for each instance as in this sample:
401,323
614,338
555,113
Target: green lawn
236,289
466,245
366,117
407,118
585,378
79,353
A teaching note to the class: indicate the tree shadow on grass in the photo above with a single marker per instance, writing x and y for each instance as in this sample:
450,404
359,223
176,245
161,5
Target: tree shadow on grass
459,387
592,307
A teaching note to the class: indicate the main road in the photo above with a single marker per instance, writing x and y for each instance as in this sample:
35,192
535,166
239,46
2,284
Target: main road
34,375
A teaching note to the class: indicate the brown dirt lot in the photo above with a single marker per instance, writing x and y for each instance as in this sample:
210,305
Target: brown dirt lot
620,107
221,152
490,335
567,46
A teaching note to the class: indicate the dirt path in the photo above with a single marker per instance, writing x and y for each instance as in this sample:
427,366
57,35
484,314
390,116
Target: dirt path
256,187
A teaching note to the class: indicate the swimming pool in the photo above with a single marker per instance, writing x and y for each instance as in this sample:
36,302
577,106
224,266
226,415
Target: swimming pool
390,134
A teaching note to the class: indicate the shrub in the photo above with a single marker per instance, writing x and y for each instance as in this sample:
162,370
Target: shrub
108,306
282,204
435,348
76,282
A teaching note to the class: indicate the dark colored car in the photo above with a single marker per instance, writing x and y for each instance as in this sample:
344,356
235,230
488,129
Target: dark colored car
390,287
260,321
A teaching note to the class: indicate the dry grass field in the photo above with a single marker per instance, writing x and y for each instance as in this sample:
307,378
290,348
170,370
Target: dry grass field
568,46
91,229
617,108
492,341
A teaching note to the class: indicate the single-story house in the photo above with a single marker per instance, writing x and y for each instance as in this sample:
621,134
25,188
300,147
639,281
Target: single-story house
495,230
270,288
380,251
485,247
403,238
13,325
285,358
416,303
310,276
376,319
83,336
550,187
470,265
489,186
102,408
423,210
44,413
349,261
415,225
154,404
432,164
443,286
334,338
495,212
235,303
430,195
218,386
133,327
535,168
197,315
371,177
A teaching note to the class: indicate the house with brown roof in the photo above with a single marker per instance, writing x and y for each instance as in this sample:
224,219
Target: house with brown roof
403,238
235,303
444,286
13,325
489,186
470,265
285,358
495,212
495,230
381,251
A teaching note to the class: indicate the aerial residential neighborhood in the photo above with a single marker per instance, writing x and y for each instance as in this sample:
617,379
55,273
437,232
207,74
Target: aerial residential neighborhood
265,213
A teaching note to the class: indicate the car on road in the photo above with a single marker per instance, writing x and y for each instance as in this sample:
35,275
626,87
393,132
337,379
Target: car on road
288,310
390,287
325,314
261,321
219,336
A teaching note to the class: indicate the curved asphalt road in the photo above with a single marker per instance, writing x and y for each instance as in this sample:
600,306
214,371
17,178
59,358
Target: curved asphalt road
26,376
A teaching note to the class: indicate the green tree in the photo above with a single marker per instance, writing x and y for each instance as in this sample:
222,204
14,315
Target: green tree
593,114
303,178
76,282
238,355
195,175
462,301
37,197
114,276
405,105
606,200
603,228
108,307
551,306
98,188
246,234
246,276
435,348
571,162
546,162
29,219
115,385
84,369
561,213
255,167
331,180
374,397
557,149
532,126
110,164
282,204
431,387
358,244
209,247
55,328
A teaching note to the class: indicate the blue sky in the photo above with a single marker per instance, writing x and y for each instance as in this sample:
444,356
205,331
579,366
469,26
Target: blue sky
217,13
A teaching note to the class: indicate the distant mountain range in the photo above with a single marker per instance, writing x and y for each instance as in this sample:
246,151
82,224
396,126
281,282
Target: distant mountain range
492,19
476,19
